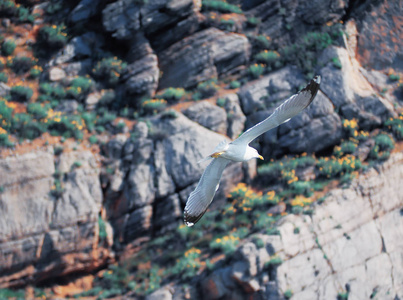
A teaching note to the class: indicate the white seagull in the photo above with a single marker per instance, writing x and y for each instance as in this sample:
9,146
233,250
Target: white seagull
239,150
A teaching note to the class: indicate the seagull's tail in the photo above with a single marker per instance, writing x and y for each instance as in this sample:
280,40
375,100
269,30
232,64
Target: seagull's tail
207,158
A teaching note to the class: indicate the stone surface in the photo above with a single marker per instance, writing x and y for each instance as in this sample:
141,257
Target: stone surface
56,74
352,241
208,115
202,56
235,117
44,234
141,79
84,10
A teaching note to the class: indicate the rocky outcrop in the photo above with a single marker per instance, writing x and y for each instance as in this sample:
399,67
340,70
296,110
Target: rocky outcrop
49,223
155,172
352,243
209,116
202,56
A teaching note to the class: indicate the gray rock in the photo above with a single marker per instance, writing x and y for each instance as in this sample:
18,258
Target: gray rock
125,18
321,12
208,115
203,55
235,117
67,106
138,223
79,47
92,100
56,74
79,68
350,92
160,294
114,148
141,79
270,90
379,43
84,10
4,89
167,211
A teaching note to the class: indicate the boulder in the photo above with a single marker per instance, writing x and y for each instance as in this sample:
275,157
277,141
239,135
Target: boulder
56,74
380,45
208,115
201,56
84,10
235,117
350,92
47,232
4,89
141,79
125,18
138,223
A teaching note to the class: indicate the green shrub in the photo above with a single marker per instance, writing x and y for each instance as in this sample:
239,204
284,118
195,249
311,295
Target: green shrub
109,70
288,294
234,84
21,93
221,102
8,47
12,294
274,262
102,230
270,58
227,244
3,77
189,265
253,22
24,15
26,127
83,84
220,6
207,88
227,24
172,94
37,110
334,167
394,77
4,141
55,91
396,126
153,106
256,70
347,147
35,72
21,64
52,37
336,62
385,142
93,139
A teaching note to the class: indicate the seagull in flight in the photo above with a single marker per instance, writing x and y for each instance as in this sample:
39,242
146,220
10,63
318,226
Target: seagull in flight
239,150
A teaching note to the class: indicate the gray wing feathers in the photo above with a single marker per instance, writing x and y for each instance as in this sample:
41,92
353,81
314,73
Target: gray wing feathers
283,113
199,200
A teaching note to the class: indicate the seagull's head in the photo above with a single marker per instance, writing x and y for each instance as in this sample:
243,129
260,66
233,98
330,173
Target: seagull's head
252,153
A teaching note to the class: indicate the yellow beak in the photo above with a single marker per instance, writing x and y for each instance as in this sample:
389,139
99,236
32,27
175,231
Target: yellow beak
261,157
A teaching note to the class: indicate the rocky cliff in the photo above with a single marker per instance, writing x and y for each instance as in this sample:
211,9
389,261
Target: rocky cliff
103,122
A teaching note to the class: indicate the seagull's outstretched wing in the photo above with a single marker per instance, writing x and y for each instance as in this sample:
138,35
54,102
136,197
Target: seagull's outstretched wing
200,199
292,106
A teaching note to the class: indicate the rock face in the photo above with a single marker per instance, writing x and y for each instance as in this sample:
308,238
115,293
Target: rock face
44,231
352,242
380,45
204,55
156,171
295,136
209,116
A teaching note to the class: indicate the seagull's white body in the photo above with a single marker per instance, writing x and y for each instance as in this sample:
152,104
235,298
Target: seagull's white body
240,151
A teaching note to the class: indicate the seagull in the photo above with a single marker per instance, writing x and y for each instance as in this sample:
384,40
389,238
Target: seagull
239,150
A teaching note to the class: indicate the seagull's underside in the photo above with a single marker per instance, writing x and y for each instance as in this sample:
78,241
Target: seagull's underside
239,150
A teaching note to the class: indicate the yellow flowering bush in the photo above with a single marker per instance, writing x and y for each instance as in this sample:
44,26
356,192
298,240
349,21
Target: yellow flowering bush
189,265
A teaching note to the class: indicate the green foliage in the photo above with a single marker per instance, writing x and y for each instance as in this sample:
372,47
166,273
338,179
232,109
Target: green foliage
394,77
79,87
37,110
52,37
336,62
66,126
189,265
234,84
21,93
26,127
52,91
227,24
109,70
274,262
270,58
93,139
347,147
102,230
35,72
288,294
256,70
153,106
12,294
4,141
260,41
172,94
220,6
89,293
227,244
8,47
334,167
342,296
383,145
207,88
259,243
396,126
21,64
253,22
3,77
221,102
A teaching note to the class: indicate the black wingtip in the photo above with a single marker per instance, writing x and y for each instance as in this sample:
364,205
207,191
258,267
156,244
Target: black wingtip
190,219
313,87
